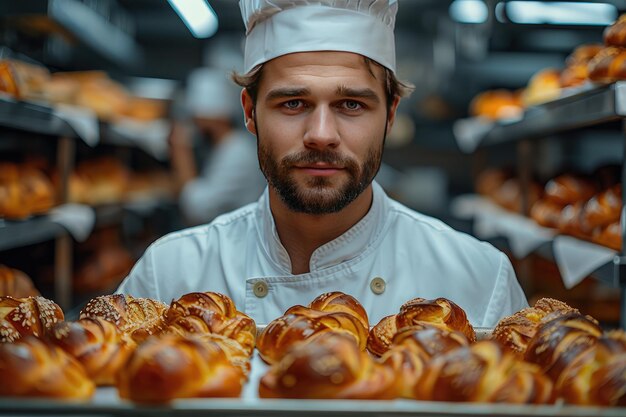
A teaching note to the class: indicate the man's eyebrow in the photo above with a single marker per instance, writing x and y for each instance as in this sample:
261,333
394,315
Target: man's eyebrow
366,93
287,92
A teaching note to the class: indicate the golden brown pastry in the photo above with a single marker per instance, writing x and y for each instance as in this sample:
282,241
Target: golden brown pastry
572,221
21,317
138,317
569,189
496,104
439,312
97,344
329,366
604,208
413,347
16,284
32,368
24,191
169,366
608,65
546,213
483,372
514,332
576,72
544,86
615,34
342,313
381,336
210,312
22,80
107,98
609,236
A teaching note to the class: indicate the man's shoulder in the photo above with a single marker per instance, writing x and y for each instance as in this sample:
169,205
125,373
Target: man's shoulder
236,220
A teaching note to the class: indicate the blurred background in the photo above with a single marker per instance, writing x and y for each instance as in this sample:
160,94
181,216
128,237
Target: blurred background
118,124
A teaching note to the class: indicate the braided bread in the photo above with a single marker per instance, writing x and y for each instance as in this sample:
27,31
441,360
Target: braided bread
439,312
210,312
615,34
569,189
608,65
329,366
16,283
342,313
610,236
169,366
97,344
546,213
138,317
32,368
515,331
381,335
413,347
24,316
483,372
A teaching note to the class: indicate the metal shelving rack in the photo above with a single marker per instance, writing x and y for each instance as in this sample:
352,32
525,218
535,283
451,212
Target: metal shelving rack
591,107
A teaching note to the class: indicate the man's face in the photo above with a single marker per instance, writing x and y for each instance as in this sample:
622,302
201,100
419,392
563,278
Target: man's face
320,120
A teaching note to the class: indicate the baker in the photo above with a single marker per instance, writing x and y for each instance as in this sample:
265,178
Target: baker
320,94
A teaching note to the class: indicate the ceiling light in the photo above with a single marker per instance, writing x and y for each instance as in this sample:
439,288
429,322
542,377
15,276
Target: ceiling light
198,16
469,11
556,13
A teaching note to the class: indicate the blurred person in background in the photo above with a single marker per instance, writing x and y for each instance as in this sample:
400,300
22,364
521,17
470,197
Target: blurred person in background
228,176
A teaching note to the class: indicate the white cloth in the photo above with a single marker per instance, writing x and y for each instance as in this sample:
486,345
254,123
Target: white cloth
230,178
416,255
279,27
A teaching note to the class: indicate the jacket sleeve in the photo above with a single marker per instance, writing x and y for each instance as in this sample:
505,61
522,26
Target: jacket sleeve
507,296
141,281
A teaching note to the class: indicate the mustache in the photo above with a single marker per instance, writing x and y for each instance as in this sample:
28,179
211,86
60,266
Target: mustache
313,156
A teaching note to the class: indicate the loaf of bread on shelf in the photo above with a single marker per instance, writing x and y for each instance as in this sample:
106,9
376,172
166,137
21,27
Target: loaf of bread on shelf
604,208
496,104
22,80
509,194
33,368
544,86
569,189
145,109
609,236
329,366
102,271
338,312
572,221
104,180
615,34
21,317
211,312
483,372
16,283
546,213
514,332
137,317
97,344
413,347
576,71
24,191
170,366
105,97
608,65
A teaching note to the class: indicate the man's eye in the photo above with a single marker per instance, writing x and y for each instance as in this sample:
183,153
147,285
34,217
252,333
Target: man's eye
292,104
352,105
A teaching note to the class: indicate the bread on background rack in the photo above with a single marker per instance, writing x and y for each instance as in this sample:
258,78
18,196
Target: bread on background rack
16,283
20,317
24,191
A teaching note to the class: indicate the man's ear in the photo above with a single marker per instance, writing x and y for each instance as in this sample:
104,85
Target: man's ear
392,113
248,111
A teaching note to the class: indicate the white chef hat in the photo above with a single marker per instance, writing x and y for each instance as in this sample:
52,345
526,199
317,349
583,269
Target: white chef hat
210,93
279,27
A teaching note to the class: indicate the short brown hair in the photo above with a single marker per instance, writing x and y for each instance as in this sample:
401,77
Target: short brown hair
393,86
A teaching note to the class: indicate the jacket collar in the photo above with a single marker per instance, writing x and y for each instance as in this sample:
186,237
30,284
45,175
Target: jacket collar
345,247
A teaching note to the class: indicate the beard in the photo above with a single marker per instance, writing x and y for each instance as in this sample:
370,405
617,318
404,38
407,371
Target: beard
318,195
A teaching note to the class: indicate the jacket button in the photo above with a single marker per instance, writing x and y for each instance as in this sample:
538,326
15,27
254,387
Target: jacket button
260,289
378,285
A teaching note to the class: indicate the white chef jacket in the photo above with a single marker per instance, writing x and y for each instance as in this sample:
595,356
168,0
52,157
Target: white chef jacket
230,178
415,255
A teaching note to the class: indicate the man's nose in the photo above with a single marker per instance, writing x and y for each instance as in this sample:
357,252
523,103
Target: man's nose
322,130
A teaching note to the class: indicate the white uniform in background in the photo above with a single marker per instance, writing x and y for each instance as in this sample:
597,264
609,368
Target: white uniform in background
392,255
230,178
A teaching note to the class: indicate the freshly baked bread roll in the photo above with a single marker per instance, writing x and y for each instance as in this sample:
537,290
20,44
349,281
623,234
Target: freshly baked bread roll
413,347
439,312
544,86
608,65
138,317
329,366
169,366
97,344
381,336
569,189
21,79
16,284
483,372
210,312
597,376
609,236
514,332
24,191
496,104
604,208
20,317
557,342
32,368
572,221
546,213
341,313
615,34
576,71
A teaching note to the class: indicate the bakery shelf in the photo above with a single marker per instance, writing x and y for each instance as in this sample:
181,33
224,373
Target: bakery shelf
15,234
